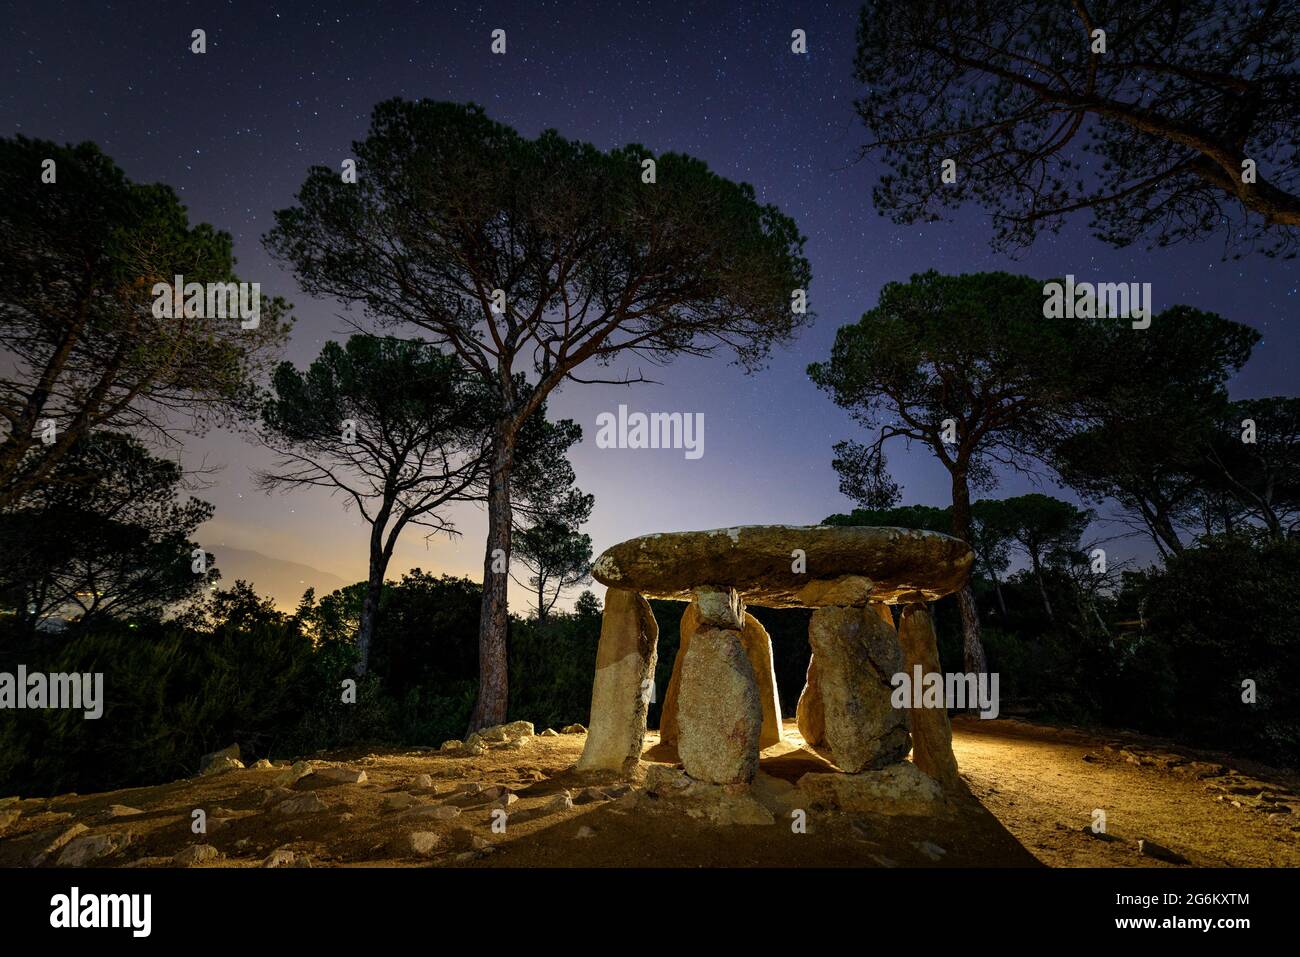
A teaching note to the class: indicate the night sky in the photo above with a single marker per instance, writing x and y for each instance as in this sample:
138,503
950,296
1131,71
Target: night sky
284,86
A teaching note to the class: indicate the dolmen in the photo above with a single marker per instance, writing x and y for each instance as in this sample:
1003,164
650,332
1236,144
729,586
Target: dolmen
721,705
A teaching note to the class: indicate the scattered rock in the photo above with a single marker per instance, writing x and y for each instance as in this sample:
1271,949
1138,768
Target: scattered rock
57,842
399,801
196,854
216,757
280,857
9,816
421,782
585,832
573,729
222,763
452,745
341,775
120,810
291,776
262,764
422,843
475,749
80,851
1150,848
897,789
309,803
274,795
549,733
931,850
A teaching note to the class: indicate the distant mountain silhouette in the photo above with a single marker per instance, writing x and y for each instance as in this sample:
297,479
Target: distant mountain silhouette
281,580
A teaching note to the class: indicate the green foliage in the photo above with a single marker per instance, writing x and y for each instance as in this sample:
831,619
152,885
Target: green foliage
79,259
106,533
1224,613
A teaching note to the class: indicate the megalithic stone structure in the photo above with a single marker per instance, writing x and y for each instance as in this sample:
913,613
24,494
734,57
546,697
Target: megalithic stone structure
625,664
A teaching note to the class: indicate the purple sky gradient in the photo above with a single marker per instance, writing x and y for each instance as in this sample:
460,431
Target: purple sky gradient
284,86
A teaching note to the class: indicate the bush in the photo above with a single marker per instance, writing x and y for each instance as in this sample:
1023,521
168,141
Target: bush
1222,614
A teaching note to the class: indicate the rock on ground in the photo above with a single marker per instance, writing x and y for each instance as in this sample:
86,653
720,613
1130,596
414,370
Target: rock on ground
82,850
196,854
898,789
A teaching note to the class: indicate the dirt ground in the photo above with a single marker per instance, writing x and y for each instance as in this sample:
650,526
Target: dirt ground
1033,791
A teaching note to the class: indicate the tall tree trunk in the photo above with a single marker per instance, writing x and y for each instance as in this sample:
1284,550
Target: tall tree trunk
370,612
972,647
1042,588
493,673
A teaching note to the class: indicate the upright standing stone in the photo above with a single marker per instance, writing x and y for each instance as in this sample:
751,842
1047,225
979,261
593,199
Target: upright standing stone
625,661
931,729
668,730
758,648
857,655
883,612
809,713
719,713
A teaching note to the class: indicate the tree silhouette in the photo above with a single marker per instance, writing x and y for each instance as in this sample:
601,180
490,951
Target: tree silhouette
1178,123
540,257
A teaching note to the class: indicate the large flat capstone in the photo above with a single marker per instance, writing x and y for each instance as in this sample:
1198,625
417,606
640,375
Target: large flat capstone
790,566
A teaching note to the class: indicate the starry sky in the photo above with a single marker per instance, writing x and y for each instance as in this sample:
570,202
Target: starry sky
284,86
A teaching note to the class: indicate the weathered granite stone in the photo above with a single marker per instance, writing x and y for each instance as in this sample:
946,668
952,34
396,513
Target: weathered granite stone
902,565
809,713
758,648
690,624
857,654
931,729
719,608
719,713
898,789
847,590
625,661
883,612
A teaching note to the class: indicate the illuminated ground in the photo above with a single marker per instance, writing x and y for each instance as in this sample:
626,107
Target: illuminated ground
1033,794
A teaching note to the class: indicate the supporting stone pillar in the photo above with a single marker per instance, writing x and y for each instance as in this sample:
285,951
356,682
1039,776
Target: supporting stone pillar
809,713
719,714
668,730
758,649
883,612
625,662
931,729
857,655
